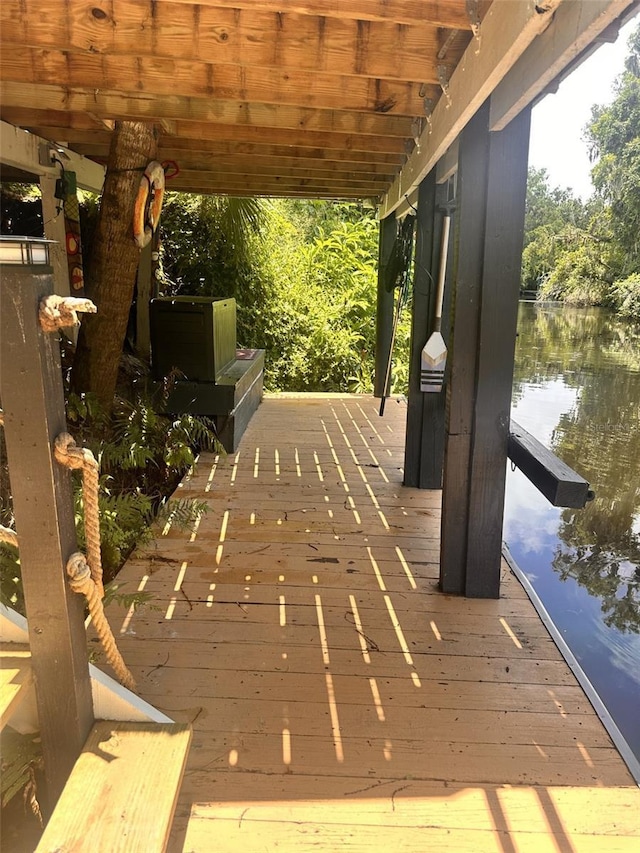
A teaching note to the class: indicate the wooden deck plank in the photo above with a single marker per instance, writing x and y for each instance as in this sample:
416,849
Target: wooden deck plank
339,701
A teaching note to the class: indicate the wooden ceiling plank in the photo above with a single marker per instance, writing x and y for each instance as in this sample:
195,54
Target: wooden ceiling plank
242,171
202,80
271,185
507,30
281,192
262,165
153,108
304,138
442,13
96,143
253,38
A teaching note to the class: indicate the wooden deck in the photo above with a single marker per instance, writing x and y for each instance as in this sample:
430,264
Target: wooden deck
339,701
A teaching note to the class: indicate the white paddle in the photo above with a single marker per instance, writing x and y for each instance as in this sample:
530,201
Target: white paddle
433,359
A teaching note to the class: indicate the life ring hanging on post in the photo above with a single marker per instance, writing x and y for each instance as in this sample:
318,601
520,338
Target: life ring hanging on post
146,211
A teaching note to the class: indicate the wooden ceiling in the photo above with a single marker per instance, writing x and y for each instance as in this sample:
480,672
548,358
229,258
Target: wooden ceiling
321,98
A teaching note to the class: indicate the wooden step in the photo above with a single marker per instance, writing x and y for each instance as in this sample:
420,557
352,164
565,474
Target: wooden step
122,792
15,678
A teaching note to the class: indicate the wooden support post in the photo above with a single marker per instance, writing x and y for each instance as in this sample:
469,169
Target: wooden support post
384,307
54,229
144,293
424,443
492,190
32,399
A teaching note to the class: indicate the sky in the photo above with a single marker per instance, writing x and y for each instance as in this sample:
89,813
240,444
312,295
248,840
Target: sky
558,121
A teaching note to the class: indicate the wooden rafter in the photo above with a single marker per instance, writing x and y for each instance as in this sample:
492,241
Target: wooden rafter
252,38
271,90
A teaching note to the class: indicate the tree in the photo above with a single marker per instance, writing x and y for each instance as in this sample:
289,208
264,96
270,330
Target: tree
113,264
614,138
554,220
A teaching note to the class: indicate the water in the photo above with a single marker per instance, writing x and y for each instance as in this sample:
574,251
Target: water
577,389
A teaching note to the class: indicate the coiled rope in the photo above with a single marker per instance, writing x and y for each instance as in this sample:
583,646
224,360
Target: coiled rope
85,575
68,453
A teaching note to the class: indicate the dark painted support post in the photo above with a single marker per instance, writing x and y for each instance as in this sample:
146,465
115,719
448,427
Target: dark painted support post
492,188
384,308
424,443
32,399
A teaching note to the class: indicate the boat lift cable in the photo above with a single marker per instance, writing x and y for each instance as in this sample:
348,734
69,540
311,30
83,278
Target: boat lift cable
404,246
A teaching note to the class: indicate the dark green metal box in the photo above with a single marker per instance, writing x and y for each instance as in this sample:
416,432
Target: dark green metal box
193,334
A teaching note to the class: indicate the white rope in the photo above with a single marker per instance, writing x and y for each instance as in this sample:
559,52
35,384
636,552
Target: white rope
60,312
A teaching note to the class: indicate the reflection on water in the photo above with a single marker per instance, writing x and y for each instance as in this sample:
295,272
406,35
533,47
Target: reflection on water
577,389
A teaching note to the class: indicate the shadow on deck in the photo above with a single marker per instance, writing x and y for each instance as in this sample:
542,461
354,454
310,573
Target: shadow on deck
339,701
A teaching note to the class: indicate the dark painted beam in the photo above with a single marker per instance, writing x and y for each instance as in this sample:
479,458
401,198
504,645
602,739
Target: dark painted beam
384,306
424,443
559,483
33,403
492,190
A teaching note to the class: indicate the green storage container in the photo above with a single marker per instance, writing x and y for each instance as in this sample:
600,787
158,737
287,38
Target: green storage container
193,334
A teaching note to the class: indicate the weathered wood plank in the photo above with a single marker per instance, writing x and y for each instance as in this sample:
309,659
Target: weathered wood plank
507,30
22,150
166,76
491,699
589,810
253,39
127,781
559,483
451,14
515,764
575,26
147,107
194,133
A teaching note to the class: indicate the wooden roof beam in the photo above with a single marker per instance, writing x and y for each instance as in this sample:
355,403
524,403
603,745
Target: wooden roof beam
204,80
375,184
450,13
507,31
153,108
30,153
575,27
260,165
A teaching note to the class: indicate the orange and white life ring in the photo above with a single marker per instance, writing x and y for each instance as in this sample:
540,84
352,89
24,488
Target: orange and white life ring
148,204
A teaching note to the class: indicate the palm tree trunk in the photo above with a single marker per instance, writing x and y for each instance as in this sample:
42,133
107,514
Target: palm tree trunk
114,262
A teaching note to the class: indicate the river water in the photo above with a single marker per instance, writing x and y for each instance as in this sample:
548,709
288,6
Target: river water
577,389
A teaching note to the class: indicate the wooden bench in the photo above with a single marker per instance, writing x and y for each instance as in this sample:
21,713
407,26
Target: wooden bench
122,792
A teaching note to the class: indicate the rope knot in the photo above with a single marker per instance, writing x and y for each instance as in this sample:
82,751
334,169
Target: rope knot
68,453
79,574
60,312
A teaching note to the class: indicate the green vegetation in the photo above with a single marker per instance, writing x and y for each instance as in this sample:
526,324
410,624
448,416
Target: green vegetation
304,276
589,254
